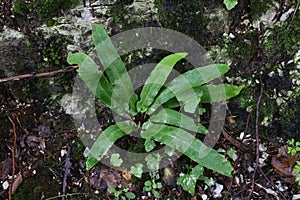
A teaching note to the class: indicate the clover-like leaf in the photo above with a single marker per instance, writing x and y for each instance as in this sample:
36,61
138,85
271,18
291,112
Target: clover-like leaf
149,145
153,161
137,170
188,181
230,4
115,160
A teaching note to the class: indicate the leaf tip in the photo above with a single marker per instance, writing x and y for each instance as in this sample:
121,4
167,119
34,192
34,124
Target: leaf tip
182,54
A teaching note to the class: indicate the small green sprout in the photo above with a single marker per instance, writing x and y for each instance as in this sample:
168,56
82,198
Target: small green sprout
121,193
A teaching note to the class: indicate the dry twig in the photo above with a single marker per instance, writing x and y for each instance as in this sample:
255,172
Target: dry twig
45,74
13,158
256,133
68,165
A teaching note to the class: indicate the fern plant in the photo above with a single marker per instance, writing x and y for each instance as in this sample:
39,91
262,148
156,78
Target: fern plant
161,121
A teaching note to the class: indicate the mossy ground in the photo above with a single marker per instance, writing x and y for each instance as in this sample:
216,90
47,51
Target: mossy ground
44,10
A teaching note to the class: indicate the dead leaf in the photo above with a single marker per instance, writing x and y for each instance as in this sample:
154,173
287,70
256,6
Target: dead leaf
6,168
126,174
17,182
105,179
283,164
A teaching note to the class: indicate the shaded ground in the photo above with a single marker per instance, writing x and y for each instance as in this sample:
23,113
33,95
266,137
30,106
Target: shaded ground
46,155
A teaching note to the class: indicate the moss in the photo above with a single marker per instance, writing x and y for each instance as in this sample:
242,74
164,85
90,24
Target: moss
283,40
55,51
45,10
20,7
258,7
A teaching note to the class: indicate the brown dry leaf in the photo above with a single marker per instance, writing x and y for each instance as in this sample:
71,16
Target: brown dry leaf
17,182
105,179
283,164
126,174
6,168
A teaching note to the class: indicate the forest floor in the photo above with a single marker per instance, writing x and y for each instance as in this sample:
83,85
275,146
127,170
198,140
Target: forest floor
43,157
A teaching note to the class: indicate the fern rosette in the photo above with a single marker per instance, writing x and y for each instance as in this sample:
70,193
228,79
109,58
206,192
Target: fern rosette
162,112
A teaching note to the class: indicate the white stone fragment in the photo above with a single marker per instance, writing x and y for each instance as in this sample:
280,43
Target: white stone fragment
250,169
204,196
296,197
281,187
5,185
86,152
286,15
242,135
63,152
218,190
262,147
237,180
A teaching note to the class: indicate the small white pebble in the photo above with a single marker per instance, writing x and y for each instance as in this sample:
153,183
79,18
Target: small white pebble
281,187
242,178
231,35
5,185
218,190
296,197
86,152
262,147
242,135
63,152
250,169
286,15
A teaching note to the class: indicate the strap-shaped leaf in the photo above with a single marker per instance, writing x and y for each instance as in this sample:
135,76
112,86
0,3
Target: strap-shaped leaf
187,144
215,93
95,80
174,118
107,139
186,81
189,99
114,68
156,80
88,69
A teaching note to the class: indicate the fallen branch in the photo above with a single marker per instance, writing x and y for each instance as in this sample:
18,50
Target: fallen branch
257,132
33,75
